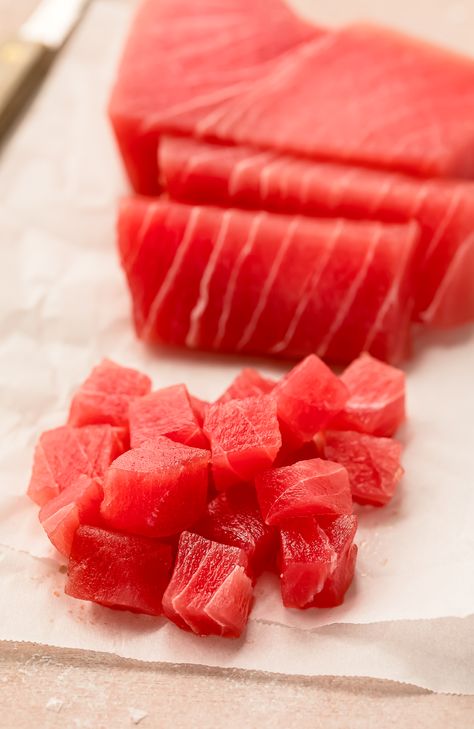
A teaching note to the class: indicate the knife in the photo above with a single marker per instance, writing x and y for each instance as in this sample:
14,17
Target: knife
26,57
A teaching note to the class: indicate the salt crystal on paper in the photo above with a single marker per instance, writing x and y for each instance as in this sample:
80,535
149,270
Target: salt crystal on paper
54,704
136,715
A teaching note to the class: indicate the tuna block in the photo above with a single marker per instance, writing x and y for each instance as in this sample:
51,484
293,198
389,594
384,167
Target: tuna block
63,454
105,395
248,383
167,412
78,504
373,464
156,490
308,397
307,488
316,560
118,570
376,403
234,518
245,438
209,592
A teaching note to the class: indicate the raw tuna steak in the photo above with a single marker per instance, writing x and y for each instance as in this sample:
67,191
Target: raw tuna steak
363,94
234,518
166,412
78,504
63,454
198,172
157,489
376,403
248,383
106,394
307,488
306,560
168,77
373,464
257,282
308,397
118,570
340,533
244,436
210,592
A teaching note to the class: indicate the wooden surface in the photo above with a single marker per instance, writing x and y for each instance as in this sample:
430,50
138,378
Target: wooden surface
42,687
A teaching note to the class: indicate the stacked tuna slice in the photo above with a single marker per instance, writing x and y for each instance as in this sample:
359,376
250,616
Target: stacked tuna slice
163,503
299,190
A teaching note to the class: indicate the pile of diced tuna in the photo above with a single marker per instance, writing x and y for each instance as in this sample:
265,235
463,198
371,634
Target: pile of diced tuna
163,503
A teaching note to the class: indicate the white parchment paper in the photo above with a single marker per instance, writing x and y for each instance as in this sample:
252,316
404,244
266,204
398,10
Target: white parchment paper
63,305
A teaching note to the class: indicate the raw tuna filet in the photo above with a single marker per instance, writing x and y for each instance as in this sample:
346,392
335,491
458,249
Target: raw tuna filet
249,382
376,403
373,464
78,504
63,454
307,488
214,174
106,394
209,592
167,412
242,281
244,436
156,490
118,570
234,518
168,78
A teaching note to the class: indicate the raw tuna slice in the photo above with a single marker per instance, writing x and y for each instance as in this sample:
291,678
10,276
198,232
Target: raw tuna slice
63,454
256,282
376,403
234,518
209,592
307,488
157,490
249,382
169,79
78,504
308,397
166,412
199,172
340,533
244,436
106,394
373,464
306,560
118,570
364,94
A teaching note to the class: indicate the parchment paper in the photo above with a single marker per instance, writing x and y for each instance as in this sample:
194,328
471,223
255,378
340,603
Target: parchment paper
63,305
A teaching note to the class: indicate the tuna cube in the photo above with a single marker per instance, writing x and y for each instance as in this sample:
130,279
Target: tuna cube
307,398
307,488
373,464
63,454
118,570
244,436
78,504
106,394
156,490
376,403
167,412
248,383
209,592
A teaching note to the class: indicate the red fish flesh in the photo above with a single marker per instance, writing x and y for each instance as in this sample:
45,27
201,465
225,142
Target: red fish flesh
242,281
232,176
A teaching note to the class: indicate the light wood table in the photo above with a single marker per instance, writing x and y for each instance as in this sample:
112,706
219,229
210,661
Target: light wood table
44,687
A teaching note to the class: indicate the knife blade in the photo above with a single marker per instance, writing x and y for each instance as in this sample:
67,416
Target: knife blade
26,57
